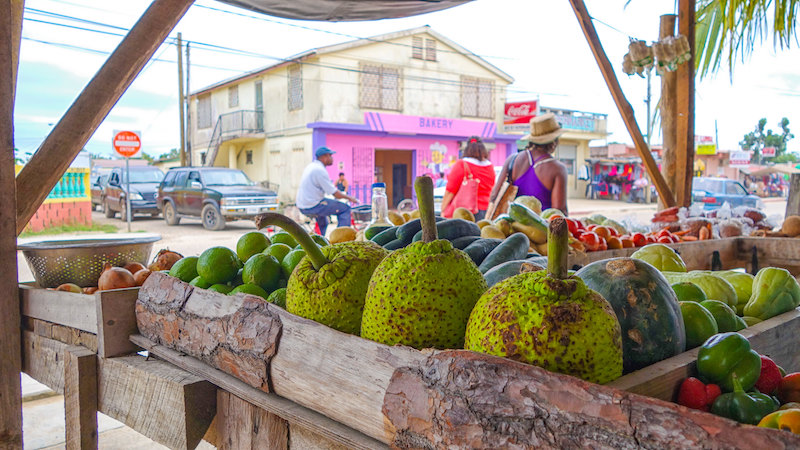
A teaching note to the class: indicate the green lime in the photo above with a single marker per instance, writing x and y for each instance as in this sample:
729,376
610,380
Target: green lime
221,288
248,288
218,265
290,261
262,270
698,323
278,297
279,251
283,237
251,243
200,282
237,280
185,269
320,240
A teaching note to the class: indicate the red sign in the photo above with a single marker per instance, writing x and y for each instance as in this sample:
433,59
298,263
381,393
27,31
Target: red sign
127,143
768,151
521,112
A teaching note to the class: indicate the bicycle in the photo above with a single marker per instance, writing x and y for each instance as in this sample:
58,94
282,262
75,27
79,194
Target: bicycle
291,211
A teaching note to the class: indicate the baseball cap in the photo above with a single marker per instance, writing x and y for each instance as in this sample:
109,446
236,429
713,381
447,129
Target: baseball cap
324,151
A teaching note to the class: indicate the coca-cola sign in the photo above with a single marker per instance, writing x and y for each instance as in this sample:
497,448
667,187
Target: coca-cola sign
521,112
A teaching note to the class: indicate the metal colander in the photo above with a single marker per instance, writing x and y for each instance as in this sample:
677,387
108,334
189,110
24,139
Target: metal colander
81,261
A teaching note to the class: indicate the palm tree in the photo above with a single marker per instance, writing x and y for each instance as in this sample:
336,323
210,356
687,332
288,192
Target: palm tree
731,28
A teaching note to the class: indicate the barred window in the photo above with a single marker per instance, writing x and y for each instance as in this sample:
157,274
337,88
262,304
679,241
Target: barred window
233,96
380,87
476,98
416,47
248,157
430,49
295,87
204,112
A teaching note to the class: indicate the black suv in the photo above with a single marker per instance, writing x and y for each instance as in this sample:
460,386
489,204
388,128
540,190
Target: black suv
144,182
215,194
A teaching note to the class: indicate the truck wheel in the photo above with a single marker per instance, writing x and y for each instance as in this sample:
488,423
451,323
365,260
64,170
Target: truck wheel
110,213
170,216
212,218
123,213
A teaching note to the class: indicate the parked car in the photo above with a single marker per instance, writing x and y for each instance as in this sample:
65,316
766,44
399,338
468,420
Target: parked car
144,184
214,194
97,190
713,192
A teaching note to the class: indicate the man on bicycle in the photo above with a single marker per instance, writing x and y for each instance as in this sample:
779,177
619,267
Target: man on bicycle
314,185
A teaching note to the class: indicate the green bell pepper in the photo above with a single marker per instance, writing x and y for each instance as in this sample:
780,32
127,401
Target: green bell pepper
725,356
775,291
744,407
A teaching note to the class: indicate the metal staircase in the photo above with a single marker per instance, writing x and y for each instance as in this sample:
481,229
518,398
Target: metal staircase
231,126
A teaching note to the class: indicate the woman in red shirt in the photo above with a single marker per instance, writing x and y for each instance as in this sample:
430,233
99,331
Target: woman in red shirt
476,160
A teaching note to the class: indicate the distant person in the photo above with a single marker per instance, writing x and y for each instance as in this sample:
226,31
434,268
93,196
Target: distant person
476,163
534,171
442,181
341,183
315,185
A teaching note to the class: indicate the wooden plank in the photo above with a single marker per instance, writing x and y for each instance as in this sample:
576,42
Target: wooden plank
10,360
116,321
301,438
43,360
66,335
793,202
80,397
292,412
157,399
684,160
770,251
625,109
65,308
668,109
241,425
86,113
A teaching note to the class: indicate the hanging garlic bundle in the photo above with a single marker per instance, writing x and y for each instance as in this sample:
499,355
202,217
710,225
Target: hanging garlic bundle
641,54
682,49
627,65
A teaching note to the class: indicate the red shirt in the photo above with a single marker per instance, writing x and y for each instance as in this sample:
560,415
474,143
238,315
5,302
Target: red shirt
485,174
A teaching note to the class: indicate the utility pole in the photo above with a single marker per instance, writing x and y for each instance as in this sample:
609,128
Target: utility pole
188,111
181,102
647,102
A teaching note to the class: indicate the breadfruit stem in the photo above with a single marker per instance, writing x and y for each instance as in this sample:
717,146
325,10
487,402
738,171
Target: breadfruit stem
557,248
424,188
298,233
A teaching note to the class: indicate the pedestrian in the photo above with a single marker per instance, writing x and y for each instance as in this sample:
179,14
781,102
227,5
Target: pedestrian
475,165
534,170
442,181
341,183
315,184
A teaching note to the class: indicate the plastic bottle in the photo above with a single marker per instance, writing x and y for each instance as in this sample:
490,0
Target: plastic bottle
380,208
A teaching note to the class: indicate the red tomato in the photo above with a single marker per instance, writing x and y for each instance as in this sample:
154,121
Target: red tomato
550,219
603,232
664,240
572,224
639,240
627,242
603,245
591,241
663,233
578,234
591,227
613,231
651,239
581,226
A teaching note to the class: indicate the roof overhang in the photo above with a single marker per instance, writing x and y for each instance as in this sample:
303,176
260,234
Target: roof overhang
344,10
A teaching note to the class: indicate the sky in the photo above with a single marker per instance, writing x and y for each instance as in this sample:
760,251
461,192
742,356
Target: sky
538,42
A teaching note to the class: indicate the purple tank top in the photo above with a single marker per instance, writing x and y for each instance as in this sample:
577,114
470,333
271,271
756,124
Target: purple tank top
529,184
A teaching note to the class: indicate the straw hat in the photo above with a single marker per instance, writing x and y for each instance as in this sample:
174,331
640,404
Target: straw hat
544,129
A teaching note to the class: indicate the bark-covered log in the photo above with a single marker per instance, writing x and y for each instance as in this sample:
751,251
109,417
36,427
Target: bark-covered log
236,334
461,399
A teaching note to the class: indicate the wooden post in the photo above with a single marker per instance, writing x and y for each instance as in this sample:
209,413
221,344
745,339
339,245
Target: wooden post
75,128
181,100
10,357
668,110
241,425
625,109
80,397
684,160
793,203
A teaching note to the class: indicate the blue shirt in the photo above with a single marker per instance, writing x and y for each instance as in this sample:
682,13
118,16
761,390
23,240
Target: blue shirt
314,185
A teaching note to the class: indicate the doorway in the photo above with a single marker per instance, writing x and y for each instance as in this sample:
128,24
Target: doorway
395,168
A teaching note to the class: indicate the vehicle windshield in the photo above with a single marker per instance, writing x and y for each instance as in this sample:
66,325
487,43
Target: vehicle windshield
704,184
226,178
144,176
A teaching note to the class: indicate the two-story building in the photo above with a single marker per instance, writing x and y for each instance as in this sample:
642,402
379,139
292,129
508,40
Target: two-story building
393,107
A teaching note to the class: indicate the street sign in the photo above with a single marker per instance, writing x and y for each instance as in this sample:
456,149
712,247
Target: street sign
127,143
739,160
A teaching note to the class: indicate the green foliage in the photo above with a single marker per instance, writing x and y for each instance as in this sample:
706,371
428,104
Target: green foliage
760,137
64,229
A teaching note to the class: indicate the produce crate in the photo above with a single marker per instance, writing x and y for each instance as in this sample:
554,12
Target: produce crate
433,399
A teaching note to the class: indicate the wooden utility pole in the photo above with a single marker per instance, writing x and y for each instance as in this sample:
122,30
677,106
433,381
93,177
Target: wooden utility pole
86,113
10,349
624,107
668,110
181,102
684,158
188,110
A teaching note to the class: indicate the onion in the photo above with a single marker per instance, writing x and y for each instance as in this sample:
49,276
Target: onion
115,278
134,267
140,276
164,260
90,290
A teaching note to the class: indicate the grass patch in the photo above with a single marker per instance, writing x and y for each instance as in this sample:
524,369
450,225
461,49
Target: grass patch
63,229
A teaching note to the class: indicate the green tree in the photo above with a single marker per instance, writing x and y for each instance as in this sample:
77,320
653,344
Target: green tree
759,138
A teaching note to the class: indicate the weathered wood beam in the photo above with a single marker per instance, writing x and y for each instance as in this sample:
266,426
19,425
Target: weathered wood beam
625,109
83,117
668,110
10,359
242,425
80,398
684,160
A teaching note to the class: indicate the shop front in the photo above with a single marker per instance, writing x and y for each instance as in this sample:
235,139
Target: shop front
396,148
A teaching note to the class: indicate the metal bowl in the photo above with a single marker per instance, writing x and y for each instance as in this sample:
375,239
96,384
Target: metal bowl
81,261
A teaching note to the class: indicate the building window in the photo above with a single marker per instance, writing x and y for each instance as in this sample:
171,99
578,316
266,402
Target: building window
430,49
567,154
233,96
202,158
295,87
204,112
416,47
380,87
248,156
476,98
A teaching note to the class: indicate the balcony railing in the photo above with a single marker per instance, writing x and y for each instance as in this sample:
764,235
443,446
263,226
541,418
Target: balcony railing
233,125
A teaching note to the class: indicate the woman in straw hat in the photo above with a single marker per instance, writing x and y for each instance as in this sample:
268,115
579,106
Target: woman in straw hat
534,171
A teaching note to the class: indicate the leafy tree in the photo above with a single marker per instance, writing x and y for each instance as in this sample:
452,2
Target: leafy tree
759,138
786,158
